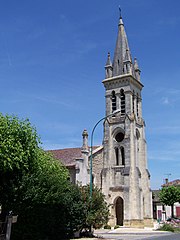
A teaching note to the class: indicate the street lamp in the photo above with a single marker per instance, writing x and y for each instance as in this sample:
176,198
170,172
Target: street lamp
104,118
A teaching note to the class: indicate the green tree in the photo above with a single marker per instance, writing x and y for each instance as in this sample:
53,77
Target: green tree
18,154
96,209
36,188
170,195
48,203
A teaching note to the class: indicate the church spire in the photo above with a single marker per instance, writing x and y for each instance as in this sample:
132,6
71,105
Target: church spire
122,63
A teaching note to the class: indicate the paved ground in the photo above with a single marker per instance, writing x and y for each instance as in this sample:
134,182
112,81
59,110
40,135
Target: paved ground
135,234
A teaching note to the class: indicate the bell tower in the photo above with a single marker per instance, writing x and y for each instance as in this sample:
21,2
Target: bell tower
125,177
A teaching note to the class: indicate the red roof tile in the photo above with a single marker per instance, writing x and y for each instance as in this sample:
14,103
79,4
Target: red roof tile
68,155
172,183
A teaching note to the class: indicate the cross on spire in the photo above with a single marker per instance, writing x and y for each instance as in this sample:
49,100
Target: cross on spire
120,16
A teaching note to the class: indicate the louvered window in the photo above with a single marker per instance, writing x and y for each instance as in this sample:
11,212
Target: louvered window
122,156
113,101
123,104
137,105
117,156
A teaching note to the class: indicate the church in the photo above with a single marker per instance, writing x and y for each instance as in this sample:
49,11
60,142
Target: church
119,165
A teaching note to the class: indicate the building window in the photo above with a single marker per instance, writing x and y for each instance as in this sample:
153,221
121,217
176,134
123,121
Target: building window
122,102
117,156
113,101
133,101
122,156
119,137
137,105
137,134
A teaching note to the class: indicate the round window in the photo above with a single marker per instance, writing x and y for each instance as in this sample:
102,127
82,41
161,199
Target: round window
119,137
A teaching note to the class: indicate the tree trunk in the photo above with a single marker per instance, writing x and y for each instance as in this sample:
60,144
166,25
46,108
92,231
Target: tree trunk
172,210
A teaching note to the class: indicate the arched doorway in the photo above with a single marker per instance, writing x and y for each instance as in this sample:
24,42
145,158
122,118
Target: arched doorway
119,211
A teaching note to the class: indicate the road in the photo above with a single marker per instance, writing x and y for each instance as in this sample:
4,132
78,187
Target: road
136,234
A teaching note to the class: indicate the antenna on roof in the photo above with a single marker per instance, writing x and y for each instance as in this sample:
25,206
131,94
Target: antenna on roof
167,178
167,174
120,16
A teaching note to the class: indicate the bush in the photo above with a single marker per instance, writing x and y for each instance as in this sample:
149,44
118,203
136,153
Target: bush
107,227
167,227
116,226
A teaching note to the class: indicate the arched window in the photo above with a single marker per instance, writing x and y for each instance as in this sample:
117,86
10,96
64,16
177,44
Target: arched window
122,102
122,156
113,101
117,156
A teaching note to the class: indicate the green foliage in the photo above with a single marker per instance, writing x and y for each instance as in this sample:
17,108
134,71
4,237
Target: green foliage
36,188
18,143
169,195
166,227
18,154
107,226
116,226
96,209
49,204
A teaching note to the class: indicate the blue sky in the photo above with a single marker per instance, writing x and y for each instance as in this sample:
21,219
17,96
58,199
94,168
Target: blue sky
52,57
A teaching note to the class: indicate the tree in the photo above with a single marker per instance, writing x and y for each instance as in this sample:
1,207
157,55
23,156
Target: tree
18,154
170,195
48,203
36,188
96,209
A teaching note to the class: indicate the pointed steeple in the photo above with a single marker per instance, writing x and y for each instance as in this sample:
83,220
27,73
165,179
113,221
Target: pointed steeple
122,63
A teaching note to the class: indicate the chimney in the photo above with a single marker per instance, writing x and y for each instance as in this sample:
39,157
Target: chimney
166,180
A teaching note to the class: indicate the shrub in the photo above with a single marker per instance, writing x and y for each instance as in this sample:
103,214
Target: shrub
167,227
116,226
107,226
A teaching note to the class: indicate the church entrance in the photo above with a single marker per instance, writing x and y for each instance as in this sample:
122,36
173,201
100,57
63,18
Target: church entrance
119,211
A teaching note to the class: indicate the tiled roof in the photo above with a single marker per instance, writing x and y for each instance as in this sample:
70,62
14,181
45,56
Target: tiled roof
67,156
172,183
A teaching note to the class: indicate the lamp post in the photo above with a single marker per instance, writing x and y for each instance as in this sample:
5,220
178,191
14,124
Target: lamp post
104,118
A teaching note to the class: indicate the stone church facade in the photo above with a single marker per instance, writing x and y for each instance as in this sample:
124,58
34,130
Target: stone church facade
120,164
